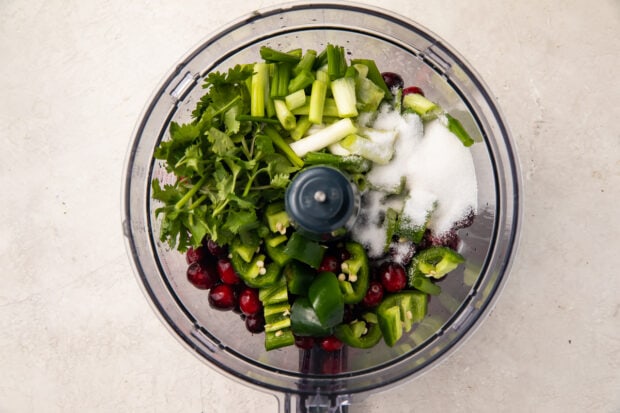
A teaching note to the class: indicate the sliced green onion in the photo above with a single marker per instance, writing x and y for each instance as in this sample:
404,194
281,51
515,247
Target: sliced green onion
284,115
317,101
260,83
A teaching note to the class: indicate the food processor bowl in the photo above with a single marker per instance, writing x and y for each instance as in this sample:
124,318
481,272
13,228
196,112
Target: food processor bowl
313,379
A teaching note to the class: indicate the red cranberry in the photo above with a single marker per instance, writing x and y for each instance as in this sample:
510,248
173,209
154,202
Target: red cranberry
466,221
202,275
305,343
216,250
393,80
255,323
330,263
330,343
222,297
332,364
374,294
343,254
393,277
402,252
249,303
195,254
412,89
227,272
448,239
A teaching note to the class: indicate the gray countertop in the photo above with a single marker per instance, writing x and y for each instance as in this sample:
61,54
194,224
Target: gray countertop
77,334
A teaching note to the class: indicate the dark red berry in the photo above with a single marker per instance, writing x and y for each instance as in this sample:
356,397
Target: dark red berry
402,252
255,323
305,343
393,80
393,277
374,294
330,343
412,89
465,221
227,272
202,275
448,239
222,297
343,254
195,254
330,263
331,364
216,250
249,303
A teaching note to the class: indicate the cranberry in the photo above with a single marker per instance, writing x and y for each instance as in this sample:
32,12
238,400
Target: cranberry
216,250
332,364
448,239
402,252
249,303
255,323
392,80
330,343
343,254
330,263
195,254
201,275
305,343
227,272
466,221
412,89
393,277
222,297
374,294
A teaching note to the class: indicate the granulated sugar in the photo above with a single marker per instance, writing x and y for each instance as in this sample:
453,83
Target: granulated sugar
440,179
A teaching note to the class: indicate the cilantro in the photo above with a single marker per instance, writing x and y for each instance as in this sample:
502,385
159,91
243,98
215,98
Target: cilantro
227,170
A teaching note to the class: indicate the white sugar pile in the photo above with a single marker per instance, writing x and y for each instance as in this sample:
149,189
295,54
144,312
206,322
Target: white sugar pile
440,178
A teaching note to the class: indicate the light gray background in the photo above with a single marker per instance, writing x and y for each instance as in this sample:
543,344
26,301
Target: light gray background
76,333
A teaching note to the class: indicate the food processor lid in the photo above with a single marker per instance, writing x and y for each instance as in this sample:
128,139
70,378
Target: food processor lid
320,200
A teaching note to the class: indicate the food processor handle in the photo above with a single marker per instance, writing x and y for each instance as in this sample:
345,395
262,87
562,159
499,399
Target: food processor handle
318,403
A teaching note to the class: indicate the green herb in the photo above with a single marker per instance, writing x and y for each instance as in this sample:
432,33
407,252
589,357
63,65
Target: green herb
227,168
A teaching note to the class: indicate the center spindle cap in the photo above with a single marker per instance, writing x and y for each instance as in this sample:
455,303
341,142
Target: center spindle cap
321,200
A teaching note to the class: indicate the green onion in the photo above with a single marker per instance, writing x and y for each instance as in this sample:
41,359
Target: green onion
272,55
300,81
284,115
306,62
373,74
336,61
343,90
296,99
303,124
260,82
323,138
280,80
317,101
277,140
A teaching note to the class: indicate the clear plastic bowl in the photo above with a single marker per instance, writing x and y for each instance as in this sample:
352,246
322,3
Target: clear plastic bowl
397,45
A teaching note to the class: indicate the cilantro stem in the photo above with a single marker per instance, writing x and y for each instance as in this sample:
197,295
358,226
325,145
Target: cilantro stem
197,202
283,146
190,193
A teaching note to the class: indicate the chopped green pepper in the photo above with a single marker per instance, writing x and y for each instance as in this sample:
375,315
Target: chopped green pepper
359,334
255,273
357,273
298,276
400,311
304,320
277,253
278,339
434,262
326,299
305,250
